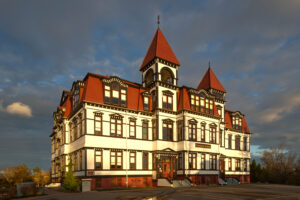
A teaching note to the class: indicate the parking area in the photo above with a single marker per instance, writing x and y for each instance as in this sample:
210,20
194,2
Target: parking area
249,191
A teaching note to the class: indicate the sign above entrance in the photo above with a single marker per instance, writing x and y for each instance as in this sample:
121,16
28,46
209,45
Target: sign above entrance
208,146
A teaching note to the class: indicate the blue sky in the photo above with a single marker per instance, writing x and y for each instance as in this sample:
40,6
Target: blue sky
254,48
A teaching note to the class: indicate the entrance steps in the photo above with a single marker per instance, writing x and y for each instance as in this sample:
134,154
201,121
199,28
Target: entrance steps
164,182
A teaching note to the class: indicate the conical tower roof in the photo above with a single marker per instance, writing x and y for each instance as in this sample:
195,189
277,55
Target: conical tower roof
159,48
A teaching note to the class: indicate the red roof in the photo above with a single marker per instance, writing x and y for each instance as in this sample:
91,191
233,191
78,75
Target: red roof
210,80
228,121
93,92
159,48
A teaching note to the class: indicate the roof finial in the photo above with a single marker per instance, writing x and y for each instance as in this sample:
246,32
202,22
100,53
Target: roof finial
208,64
158,22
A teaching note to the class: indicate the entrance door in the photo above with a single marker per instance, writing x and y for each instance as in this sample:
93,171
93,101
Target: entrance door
222,168
167,167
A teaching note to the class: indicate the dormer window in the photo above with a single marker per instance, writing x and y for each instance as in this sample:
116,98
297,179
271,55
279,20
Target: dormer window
76,96
146,103
237,122
115,94
201,103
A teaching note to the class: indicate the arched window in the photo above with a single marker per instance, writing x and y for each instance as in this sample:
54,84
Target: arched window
149,78
167,76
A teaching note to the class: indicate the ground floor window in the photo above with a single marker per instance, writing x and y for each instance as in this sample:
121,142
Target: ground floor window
192,160
115,160
145,160
237,165
203,161
180,161
213,162
132,160
98,159
229,164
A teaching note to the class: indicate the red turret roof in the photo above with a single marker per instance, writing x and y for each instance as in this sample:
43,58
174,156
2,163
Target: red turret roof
210,80
159,48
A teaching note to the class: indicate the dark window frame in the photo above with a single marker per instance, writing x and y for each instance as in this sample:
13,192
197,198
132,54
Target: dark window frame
116,155
168,133
98,121
192,161
134,157
145,128
145,161
101,159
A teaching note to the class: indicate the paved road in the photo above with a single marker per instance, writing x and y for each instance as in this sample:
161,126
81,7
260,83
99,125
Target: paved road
237,192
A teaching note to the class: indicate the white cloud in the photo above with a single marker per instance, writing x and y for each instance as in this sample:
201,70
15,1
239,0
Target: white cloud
19,108
273,114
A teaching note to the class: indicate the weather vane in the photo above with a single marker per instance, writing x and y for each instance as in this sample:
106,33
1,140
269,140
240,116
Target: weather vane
158,22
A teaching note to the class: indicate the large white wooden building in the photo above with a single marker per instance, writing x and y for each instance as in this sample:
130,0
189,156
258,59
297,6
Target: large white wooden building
121,133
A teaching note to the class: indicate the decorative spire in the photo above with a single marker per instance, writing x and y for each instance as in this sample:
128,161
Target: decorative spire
208,64
158,22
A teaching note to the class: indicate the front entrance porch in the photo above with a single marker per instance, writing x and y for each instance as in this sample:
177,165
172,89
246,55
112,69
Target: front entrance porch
165,164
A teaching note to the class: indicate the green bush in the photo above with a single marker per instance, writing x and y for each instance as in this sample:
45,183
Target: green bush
70,181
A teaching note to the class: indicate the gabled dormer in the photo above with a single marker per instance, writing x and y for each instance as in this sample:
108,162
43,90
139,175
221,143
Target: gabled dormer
160,63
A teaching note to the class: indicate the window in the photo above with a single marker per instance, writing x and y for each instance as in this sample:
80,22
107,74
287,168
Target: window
203,161
237,122
76,96
245,144
219,110
229,164
193,131
71,132
115,94
75,162
146,103
145,130
192,160
123,97
154,129
229,141
167,102
80,160
212,134
116,127
132,128
98,159
237,165
180,136
132,160
245,165
75,129
149,78
202,103
167,76
98,124
180,161
237,142
168,130
203,132
213,162
115,160
80,125
221,137
106,94
145,160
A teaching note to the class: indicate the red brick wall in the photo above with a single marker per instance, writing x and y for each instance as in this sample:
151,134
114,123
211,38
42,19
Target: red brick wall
118,182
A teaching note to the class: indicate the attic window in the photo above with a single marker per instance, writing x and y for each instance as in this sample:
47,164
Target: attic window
115,94
146,103
201,103
76,96
237,122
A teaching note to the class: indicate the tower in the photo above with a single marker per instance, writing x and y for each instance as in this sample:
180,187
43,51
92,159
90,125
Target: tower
159,70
